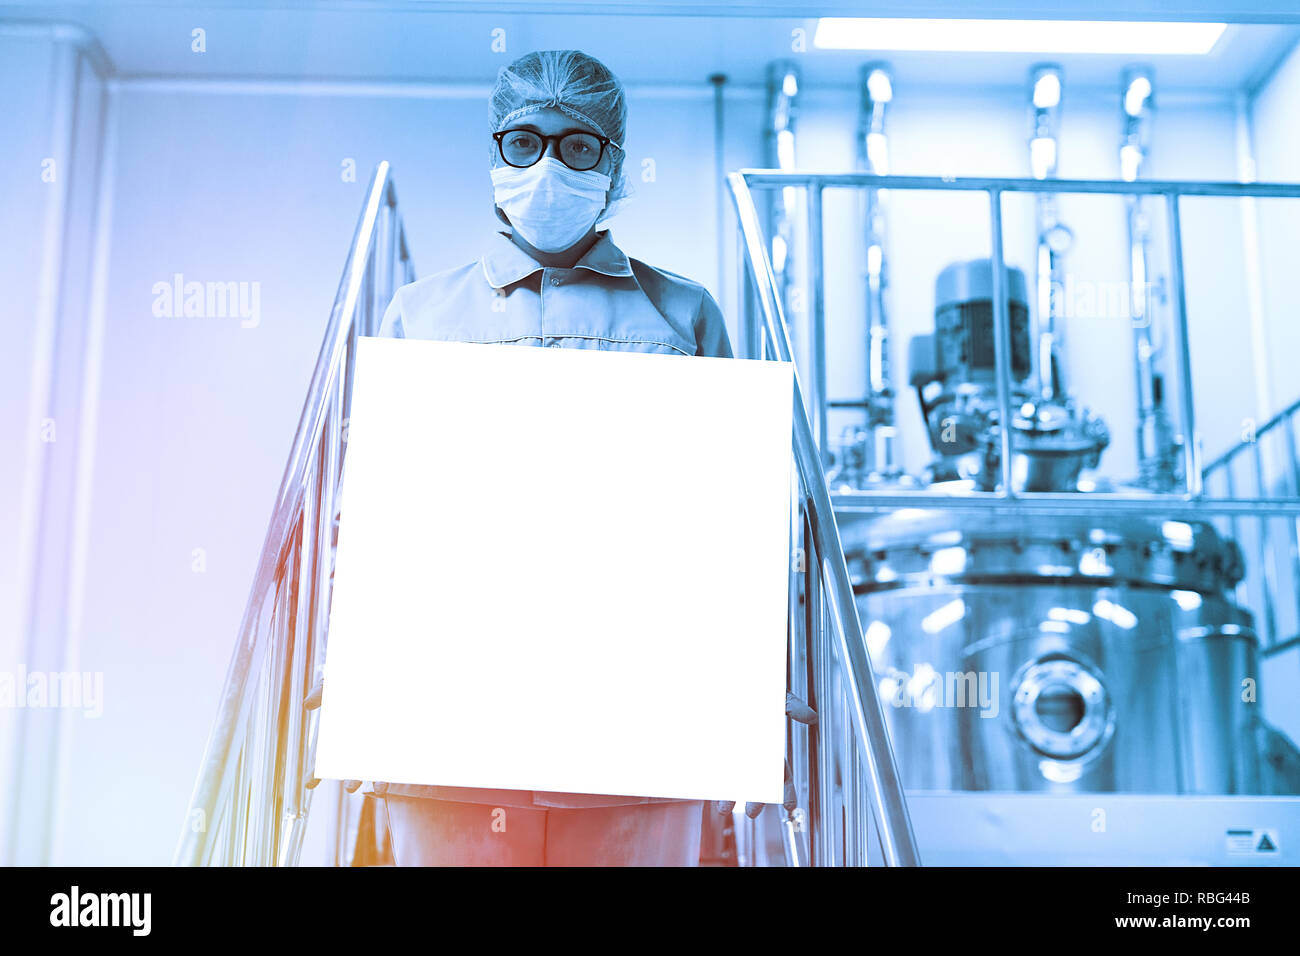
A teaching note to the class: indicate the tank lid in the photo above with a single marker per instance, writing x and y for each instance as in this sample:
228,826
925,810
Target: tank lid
1137,549
972,281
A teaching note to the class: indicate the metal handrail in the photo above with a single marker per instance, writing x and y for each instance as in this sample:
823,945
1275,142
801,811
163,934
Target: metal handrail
254,788
1283,416
894,826
1271,554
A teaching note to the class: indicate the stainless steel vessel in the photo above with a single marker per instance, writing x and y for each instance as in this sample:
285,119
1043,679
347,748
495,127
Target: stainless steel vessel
1045,651
1060,655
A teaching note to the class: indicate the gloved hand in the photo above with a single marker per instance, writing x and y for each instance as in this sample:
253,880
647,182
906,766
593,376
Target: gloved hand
311,702
797,710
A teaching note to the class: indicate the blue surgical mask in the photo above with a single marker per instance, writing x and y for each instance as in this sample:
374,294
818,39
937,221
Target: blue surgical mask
551,205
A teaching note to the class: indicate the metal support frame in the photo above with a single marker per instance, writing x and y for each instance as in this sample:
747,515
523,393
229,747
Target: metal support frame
1192,500
840,666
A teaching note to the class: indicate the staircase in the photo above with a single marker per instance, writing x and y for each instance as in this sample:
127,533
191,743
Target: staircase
255,786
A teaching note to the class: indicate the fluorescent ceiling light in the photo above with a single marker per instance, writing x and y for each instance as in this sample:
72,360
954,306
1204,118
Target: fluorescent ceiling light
1017,36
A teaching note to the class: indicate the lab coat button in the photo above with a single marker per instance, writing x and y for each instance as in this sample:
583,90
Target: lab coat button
555,280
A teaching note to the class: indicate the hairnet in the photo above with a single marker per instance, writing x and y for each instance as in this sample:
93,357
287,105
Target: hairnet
574,83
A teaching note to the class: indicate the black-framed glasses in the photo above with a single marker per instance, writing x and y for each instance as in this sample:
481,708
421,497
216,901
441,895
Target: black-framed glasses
578,150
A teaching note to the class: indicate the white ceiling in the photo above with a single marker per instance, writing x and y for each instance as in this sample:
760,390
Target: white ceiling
439,42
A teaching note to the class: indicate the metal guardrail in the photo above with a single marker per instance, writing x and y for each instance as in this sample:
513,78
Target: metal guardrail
838,812
1269,460
843,646
253,791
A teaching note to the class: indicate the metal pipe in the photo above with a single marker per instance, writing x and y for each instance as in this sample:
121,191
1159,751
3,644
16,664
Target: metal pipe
817,324
822,806
751,336
783,85
719,82
1001,341
1192,481
894,824
877,92
316,516
799,737
1155,445
1293,526
1045,84
1267,565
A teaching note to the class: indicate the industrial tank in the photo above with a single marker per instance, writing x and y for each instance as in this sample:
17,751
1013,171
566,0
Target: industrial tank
1047,651
1059,653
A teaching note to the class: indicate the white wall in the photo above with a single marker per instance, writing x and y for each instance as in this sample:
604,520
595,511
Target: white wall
1277,158
1276,141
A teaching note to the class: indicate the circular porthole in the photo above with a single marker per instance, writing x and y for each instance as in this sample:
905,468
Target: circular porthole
1061,708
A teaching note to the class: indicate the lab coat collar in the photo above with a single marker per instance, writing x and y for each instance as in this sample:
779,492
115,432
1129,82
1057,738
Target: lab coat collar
505,263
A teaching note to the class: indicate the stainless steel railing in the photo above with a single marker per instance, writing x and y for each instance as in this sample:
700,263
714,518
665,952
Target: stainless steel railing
834,639
1266,461
254,790
848,774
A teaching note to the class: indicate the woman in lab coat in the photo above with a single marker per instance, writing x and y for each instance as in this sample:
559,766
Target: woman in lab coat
558,121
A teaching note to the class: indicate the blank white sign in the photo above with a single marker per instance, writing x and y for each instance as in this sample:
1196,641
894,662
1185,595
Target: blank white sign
561,570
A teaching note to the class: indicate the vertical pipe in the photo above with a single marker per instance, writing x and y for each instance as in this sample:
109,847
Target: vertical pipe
237,800
823,733
817,325
850,776
316,518
751,344
719,81
1293,524
1001,339
1230,488
798,736
876,90
1155,444
1193,480
1045,82
1266,554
